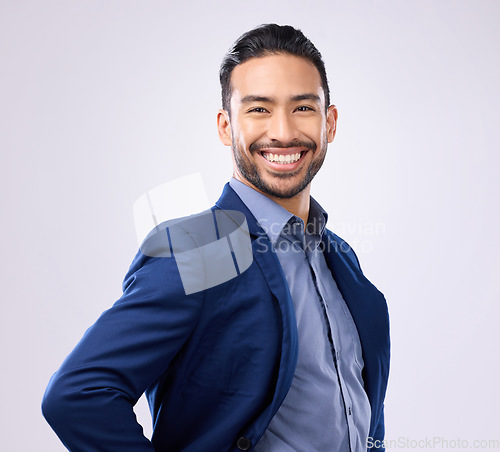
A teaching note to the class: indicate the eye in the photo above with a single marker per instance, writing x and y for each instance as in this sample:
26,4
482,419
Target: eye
257,110
304,108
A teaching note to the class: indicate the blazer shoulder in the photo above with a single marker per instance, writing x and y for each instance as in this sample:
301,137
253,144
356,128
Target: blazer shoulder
208,248
192,231
177,234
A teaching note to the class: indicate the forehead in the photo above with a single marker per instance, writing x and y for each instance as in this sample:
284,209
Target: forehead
277,76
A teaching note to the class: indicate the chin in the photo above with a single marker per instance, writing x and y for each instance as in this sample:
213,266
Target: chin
282,191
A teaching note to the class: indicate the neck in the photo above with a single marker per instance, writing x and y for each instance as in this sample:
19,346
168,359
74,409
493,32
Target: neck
298,205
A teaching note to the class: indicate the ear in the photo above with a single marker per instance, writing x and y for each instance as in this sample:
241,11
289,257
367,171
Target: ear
224,127
331,122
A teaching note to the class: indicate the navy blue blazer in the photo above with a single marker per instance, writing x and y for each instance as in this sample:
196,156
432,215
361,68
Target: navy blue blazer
215,364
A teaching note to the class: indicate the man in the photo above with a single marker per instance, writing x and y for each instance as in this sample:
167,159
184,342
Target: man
289,353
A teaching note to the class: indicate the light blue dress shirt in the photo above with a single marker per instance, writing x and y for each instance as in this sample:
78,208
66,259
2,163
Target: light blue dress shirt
326,408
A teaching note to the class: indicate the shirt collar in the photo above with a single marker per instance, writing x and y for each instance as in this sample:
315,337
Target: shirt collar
317,220
272,217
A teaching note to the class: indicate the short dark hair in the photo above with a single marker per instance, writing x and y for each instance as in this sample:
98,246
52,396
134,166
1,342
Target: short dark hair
269,39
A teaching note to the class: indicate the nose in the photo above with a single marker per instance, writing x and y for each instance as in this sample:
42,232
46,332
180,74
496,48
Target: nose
282,127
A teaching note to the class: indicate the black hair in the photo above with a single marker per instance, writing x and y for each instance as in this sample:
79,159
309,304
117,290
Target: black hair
269,39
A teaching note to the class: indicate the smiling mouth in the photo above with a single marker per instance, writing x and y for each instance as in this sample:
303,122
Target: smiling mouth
283,159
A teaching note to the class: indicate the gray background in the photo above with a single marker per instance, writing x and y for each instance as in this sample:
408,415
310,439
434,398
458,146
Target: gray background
101,101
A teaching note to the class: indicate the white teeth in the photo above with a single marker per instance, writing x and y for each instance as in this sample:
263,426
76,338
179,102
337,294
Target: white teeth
280,158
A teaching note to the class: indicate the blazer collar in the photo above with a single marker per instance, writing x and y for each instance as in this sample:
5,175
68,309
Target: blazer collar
229,200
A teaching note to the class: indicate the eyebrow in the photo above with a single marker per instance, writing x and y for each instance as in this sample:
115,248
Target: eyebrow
313,97
252,98
299,97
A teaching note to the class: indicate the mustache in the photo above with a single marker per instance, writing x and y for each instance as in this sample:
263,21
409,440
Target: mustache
280,145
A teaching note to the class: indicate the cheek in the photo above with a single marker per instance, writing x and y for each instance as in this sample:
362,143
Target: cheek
316,132
247,133
314,125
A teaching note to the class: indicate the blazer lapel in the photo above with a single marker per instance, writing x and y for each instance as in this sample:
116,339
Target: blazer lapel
267,260
369,311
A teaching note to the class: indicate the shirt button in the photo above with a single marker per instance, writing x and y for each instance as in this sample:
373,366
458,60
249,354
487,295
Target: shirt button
243,443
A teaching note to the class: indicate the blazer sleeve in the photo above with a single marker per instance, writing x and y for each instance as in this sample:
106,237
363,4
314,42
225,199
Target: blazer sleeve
377,442
89,400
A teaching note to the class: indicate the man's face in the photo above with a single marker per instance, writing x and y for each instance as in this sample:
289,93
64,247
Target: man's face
278,128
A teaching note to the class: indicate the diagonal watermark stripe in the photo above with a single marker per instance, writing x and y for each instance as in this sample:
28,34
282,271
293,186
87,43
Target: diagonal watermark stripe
209,249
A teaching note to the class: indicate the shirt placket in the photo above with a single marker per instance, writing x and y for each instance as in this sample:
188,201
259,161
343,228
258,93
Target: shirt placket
312,255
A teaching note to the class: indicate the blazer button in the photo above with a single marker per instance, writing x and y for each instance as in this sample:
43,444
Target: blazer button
243,443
